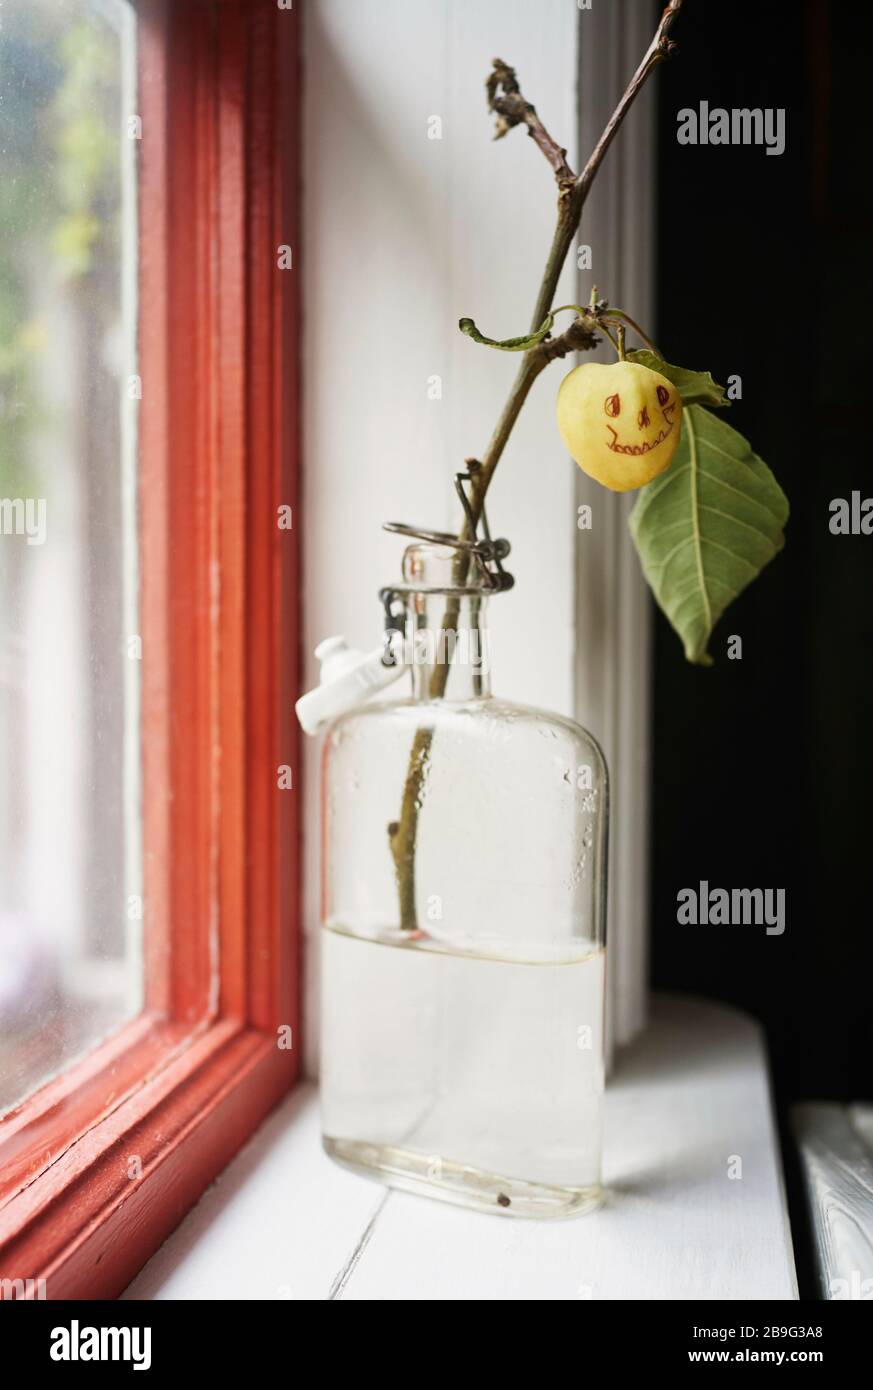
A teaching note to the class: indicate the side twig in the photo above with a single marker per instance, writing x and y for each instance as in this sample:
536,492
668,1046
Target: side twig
506,101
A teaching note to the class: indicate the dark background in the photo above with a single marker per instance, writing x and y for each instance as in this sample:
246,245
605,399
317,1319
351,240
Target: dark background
763,768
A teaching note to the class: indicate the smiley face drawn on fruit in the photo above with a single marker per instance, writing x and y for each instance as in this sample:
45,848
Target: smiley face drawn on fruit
620,422
612,406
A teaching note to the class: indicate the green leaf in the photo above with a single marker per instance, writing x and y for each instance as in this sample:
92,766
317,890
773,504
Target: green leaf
508,344
706,527
695,388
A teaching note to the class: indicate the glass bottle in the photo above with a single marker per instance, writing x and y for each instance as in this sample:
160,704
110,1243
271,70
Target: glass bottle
463,941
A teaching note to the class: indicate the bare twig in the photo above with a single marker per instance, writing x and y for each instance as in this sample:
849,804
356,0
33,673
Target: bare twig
570,212
507,101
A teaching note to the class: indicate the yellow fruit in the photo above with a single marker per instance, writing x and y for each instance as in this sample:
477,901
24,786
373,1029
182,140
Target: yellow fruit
620,422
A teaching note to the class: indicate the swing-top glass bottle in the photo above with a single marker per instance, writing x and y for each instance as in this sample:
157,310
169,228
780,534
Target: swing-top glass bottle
463,942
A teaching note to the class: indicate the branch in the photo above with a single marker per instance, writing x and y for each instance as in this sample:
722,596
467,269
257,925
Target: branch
661,47
506,101
570,213
505,98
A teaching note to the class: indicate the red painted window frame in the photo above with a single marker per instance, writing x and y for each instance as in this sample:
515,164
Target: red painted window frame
181,1087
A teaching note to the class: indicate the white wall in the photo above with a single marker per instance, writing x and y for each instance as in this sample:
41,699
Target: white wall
402,236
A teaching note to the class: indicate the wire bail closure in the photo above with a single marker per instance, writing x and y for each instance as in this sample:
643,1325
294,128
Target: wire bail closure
487,555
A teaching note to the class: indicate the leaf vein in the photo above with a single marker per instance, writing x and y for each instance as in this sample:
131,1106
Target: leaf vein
660,487
698,550
734,554
713,477
735,520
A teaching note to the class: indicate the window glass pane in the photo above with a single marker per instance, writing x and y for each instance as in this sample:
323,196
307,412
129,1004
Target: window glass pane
70,916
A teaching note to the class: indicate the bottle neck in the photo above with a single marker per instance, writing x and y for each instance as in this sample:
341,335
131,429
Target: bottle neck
446,644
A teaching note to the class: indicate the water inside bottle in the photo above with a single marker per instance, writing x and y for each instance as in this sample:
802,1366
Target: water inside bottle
474,1075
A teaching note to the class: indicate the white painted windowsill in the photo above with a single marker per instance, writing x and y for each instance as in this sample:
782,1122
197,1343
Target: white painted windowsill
688,1099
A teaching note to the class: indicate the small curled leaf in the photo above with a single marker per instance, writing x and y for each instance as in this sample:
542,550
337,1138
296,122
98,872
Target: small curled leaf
508,344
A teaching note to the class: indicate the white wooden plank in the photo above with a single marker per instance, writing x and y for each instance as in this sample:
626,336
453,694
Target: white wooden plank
837,1163
686,1102
282,1221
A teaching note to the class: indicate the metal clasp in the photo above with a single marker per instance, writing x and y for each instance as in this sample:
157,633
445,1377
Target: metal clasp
486,553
